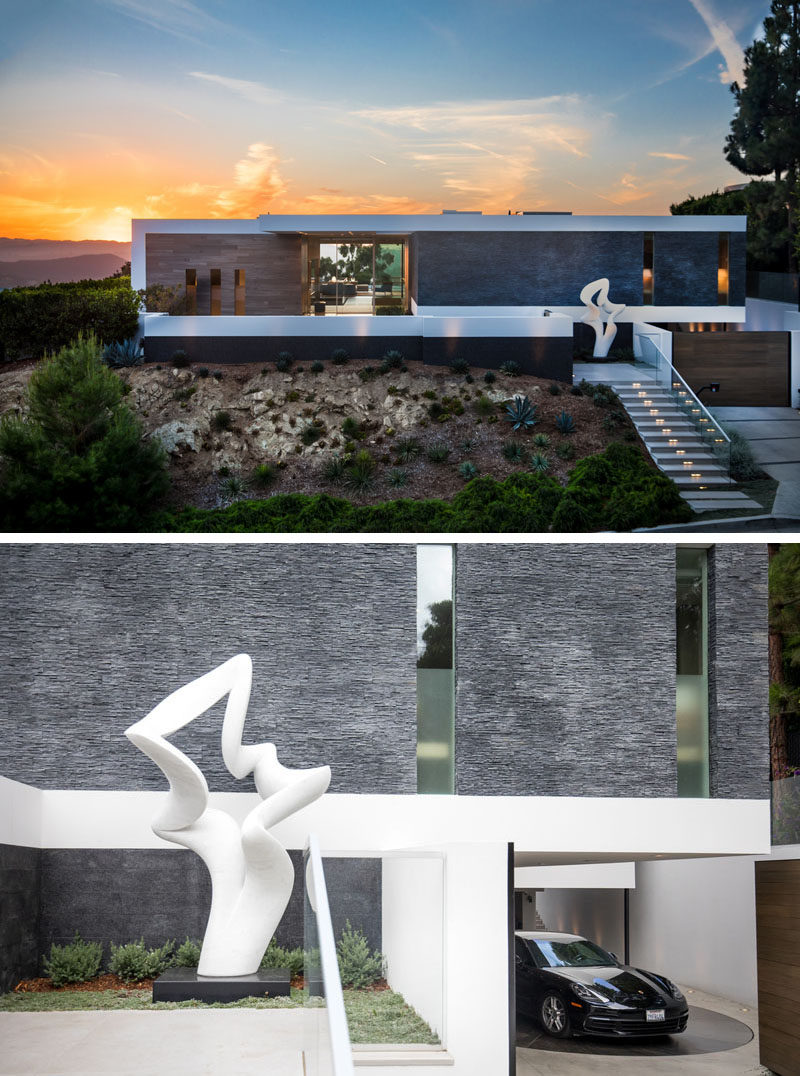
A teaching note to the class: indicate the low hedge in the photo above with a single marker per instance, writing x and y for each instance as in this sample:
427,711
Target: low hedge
42,319
615,490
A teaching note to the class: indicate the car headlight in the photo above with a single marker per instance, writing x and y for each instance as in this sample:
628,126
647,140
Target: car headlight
585,993
672,989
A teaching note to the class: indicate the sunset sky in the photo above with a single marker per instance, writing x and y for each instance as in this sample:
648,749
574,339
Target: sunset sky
112,109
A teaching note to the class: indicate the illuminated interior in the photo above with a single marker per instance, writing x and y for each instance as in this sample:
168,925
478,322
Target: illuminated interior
348,275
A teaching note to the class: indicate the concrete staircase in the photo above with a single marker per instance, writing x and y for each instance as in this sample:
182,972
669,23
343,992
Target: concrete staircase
678,450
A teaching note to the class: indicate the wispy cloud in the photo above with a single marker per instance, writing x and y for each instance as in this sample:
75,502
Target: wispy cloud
372,157
251,91
670,156
181,18
725,41
492,148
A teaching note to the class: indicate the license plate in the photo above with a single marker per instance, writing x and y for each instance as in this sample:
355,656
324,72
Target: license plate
655,1016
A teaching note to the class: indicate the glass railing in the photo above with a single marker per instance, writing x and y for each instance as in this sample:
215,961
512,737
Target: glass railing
326,1041
786,810
667,378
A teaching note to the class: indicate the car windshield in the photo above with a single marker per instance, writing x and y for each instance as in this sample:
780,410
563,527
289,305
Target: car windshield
573,954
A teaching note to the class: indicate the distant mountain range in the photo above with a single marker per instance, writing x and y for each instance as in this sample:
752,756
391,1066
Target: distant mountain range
32,261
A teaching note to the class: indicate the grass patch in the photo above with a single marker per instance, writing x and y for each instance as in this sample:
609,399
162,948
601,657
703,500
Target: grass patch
374,1016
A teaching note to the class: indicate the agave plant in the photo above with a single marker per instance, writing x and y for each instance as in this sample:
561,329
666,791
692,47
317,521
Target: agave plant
124,353
521,413
565,423
539,463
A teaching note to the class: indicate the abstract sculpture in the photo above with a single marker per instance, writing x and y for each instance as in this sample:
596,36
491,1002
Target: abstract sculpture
604,337
251,873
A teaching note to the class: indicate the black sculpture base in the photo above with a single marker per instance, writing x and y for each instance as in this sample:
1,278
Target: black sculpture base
184,984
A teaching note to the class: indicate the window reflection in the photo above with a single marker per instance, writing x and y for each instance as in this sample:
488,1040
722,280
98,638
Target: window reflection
691,645
435,670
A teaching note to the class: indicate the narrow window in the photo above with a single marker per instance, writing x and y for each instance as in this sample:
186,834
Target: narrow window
435,670
691,644
238,291
215,279
191,291
648,283
722,271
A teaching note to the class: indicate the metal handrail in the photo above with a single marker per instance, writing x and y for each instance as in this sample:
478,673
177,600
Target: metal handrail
721,438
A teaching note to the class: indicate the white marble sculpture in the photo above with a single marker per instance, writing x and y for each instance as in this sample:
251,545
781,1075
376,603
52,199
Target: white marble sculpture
251,873
604,335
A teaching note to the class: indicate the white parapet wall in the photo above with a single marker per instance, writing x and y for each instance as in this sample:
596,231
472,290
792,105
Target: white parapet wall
593,913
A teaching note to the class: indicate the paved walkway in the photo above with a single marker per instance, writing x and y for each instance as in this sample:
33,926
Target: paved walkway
774,433
184,1042
741,1061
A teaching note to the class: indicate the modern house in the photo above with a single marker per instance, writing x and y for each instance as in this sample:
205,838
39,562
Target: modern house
584,726
484,288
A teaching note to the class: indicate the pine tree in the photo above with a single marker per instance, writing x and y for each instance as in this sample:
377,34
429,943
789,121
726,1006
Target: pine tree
765,132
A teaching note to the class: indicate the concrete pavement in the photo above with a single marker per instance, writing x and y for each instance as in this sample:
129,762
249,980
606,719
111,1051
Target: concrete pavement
774,433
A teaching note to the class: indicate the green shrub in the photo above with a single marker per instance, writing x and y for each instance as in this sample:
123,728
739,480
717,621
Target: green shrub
317,367
334,468
407,448
575,390
367,373
79,459
483,406
45,318
340,357
397,477
180,360
459,366
264,474
234,486
467,444
743,463
217,375
353,430
565,423
613,420
539,463
222,420
358,967
467,470
510,368
284,361
203,371
392,360
490,377
277,956
541,440
134,962
124,353
565,451
438,452
513,452
360,473
77,962
187,955
312,432
554,389
603,396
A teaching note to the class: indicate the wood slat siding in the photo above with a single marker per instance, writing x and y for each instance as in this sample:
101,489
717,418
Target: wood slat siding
271,263
752,368
778,937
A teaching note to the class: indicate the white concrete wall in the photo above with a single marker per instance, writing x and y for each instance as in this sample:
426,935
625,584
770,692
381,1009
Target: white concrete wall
764,315
413,933
695,921
595,913
553,828
577,876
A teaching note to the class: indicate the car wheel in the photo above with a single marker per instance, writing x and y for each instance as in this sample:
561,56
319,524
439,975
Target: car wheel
555,1019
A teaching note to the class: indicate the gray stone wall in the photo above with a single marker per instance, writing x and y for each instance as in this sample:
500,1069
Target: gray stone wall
565,670
685,268
93,636
120,895
525,268
738,672
20,878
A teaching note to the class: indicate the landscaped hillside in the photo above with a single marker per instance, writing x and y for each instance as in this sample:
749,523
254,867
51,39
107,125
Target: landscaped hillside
384,432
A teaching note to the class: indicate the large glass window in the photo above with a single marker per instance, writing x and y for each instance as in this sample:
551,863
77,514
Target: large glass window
435,670
691,623
356,277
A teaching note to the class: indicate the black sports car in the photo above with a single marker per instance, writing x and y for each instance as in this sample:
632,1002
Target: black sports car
572,986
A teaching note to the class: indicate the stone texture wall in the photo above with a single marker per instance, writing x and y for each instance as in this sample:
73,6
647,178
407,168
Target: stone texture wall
738,672
93,636
565,670
20,878
525,268
119,895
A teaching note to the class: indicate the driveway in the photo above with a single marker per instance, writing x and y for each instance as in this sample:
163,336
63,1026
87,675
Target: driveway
721,1040
774,433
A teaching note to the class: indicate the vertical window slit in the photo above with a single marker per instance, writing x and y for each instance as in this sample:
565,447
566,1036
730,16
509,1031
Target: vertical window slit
435,669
